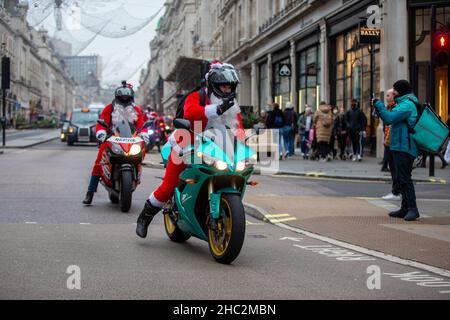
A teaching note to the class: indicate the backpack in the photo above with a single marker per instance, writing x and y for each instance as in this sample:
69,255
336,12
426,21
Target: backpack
430,133
327,120
278,123
180,107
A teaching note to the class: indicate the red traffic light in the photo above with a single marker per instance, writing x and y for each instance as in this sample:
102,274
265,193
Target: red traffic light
442,41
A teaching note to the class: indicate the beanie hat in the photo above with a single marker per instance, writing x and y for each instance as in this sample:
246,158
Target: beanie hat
402,87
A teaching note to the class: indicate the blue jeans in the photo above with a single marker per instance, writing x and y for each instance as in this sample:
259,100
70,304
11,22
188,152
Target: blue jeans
305,138
289,140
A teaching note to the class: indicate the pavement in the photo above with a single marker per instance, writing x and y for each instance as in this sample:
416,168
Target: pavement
369,169
29,138
45,232
358,218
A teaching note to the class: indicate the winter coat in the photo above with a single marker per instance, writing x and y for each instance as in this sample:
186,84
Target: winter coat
405,110
290,118
323,121
301,123
271,119
356,120
340,126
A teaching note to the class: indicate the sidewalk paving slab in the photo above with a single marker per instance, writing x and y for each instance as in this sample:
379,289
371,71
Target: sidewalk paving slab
358,222
41,136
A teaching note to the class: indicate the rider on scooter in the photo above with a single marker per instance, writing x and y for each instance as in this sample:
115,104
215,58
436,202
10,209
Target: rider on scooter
124,101
221,107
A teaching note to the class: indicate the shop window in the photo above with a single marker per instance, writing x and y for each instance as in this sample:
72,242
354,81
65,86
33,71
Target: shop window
309,78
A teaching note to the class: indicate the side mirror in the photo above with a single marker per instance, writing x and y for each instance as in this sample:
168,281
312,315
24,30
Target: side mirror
103,123
182,124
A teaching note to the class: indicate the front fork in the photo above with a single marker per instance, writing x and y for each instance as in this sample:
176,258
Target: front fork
215,197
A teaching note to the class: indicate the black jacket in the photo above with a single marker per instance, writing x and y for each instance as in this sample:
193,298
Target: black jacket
340,125
271,119
290,118
356,120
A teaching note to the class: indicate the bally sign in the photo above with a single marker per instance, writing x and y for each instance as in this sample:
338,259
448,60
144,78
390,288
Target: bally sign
369,35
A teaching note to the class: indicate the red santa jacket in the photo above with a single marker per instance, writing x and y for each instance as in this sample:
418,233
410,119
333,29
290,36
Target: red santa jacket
196,113
106,116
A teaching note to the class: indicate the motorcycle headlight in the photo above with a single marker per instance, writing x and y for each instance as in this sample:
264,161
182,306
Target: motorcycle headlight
135,150
207,159
151,132
240,166
221,165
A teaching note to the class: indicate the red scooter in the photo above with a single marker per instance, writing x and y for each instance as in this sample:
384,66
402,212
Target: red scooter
121,162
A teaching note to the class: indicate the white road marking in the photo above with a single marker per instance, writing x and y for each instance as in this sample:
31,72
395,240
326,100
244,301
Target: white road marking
32,222
85,224
373,253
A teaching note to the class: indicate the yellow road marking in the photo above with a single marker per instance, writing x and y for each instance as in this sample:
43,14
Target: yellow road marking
278,215
282,220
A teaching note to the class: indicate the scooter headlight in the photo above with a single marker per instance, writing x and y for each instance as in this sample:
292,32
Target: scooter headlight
240,166
135,150
221,165
151,132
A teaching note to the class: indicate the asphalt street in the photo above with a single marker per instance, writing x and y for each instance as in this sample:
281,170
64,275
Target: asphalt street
44,229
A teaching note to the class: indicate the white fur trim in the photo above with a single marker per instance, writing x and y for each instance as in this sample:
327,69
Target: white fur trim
155,202
100,132
211,112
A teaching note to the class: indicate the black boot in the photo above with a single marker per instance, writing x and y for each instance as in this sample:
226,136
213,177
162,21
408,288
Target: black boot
412,215
89,198
145,218
399,214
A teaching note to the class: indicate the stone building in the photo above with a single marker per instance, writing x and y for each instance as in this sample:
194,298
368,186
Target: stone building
317,42
40,85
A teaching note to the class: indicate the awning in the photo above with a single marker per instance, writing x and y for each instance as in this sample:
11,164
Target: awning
187,73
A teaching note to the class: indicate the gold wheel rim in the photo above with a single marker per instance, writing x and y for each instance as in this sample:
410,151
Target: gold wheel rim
219,248
170,226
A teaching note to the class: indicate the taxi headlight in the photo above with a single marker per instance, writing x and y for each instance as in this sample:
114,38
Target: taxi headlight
135,150
240,166
221,165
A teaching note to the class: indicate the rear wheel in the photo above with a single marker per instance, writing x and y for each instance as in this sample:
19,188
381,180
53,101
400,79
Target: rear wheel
225,243
126,191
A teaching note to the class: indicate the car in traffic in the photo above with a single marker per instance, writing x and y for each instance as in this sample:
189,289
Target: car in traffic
64,129
81,127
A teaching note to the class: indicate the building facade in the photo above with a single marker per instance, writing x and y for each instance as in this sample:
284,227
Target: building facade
304,51
40,85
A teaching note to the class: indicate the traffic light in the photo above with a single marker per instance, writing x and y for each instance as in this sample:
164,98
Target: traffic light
441,47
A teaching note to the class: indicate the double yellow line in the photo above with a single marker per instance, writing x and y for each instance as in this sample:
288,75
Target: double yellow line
278,218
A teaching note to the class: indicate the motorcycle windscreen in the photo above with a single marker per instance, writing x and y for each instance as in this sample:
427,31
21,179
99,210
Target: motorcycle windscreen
121,124
225,140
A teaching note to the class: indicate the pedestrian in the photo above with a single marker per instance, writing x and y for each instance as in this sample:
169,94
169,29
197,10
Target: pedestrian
305,124
290,129
356,124
275,121
333,140
395,193
404,149
340,133
323,122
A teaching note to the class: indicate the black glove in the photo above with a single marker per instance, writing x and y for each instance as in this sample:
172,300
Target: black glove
227,104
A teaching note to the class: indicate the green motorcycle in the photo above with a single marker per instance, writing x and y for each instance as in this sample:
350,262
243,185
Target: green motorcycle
207,203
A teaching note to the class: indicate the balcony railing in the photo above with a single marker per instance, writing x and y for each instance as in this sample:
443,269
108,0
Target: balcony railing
281,14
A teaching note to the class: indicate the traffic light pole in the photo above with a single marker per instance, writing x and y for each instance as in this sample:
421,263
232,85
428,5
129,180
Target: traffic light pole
432,99
4,117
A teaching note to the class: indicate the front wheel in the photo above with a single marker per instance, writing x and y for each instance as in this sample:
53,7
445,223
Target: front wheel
225,243
126,191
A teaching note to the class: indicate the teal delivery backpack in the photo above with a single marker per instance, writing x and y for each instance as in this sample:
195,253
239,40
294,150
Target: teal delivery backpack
430,133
